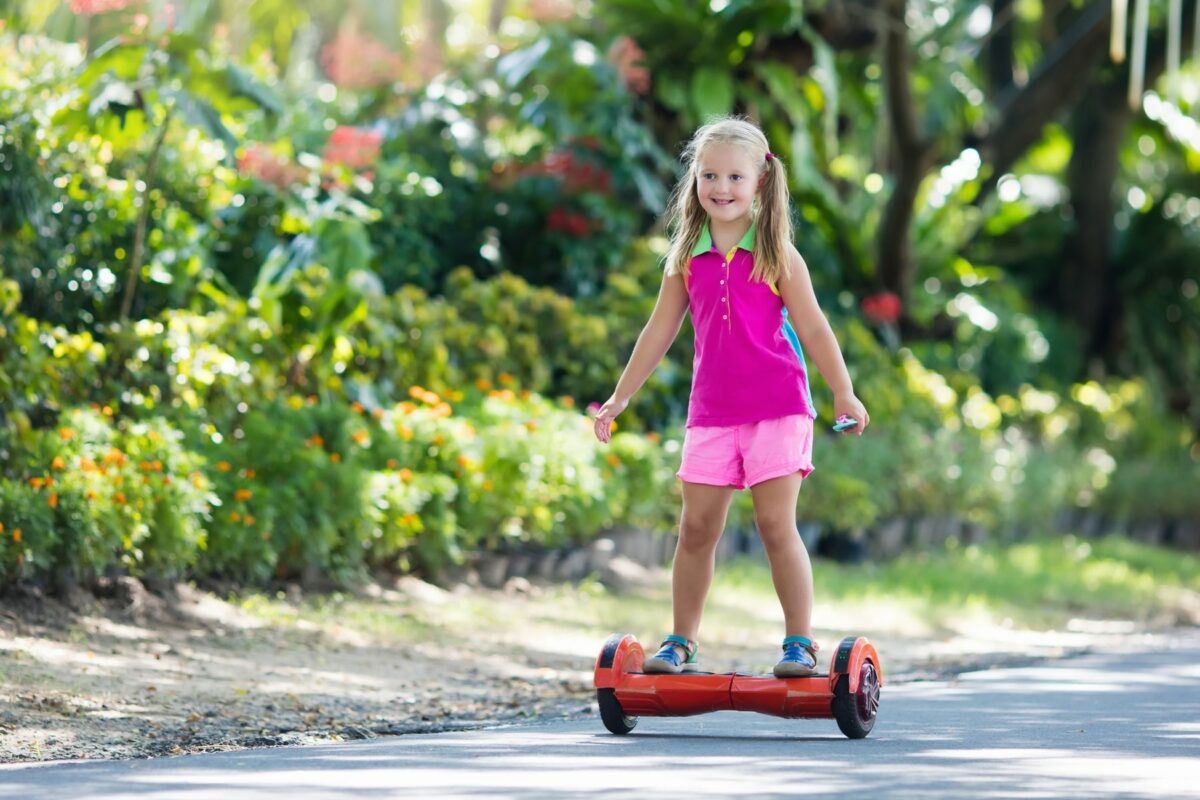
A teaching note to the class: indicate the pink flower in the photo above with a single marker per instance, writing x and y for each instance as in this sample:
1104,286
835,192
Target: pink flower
358,62
91,7
258,161
551,10
629,59
882,308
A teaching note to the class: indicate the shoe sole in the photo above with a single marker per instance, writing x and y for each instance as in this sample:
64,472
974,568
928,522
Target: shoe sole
794,672
657,667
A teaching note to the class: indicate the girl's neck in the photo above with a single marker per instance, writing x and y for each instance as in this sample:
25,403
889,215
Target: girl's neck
726,235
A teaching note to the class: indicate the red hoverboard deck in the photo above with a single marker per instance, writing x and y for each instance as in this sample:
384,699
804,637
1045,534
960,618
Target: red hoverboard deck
849,692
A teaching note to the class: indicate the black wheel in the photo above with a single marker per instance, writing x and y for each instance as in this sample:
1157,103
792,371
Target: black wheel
855,713
612,715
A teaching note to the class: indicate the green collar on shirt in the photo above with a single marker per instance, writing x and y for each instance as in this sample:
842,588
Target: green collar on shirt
706,243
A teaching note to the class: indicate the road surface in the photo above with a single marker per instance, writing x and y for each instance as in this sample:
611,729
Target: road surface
1095,726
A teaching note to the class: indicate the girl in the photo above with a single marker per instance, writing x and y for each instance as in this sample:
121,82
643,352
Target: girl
750,414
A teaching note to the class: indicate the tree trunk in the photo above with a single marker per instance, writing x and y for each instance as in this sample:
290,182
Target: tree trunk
139,234
1097,128
910,157
1061,78
1100,124
998,52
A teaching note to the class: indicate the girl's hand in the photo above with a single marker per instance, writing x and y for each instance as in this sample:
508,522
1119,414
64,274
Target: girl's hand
851,406
605,416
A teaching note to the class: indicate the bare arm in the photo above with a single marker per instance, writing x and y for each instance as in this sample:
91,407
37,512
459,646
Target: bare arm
652,344
819,342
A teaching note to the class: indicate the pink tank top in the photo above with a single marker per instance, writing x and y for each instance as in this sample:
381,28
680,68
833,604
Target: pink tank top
745,369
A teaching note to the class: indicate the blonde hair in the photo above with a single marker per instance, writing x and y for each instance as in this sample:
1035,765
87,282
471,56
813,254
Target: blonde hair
773,220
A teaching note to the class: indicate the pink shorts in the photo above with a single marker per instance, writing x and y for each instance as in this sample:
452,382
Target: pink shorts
745,455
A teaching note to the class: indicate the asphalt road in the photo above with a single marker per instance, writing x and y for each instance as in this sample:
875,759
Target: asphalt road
1096,726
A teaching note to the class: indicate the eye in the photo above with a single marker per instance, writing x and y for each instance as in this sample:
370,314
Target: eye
735,177
709,176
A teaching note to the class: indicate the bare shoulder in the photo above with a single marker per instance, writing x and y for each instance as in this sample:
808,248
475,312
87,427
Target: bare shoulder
797,267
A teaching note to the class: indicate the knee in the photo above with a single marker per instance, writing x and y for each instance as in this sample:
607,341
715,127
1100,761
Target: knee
776,530
698,533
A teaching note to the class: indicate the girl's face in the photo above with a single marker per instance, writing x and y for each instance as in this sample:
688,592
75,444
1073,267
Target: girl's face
726,182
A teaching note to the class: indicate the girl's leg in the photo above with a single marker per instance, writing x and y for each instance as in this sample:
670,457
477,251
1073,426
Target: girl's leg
791,571
700,526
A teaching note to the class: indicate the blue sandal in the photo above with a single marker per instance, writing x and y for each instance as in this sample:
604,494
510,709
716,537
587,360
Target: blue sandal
799,658
676,655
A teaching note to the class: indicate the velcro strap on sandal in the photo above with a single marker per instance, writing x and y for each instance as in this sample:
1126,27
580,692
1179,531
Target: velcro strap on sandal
689,647
805,642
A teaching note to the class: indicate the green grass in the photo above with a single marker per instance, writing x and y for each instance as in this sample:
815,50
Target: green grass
1040,584
1035,583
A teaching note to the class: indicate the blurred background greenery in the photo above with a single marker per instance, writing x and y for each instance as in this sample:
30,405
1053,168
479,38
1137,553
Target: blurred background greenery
304,289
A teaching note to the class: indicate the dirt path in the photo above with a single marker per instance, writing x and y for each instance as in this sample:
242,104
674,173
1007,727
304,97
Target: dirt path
135,675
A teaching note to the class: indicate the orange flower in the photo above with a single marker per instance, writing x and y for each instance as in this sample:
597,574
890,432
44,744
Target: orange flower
463,461
654,437
531,425
224,466
156,465
407,407
66,433
53,501
37,483
90,494
483,384
405,432
243,494
526,394
249,473
1,527
107,411
86,464
145,466
439,439
248,519
406,474
335,458
361,437
443,410
506,379
119,498
358,407
377,413
567,401
166,480
392,463
315,441
16,534
235,516
612,459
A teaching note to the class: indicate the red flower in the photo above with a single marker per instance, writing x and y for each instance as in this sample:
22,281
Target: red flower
577,175
882,308
569,222
352,147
